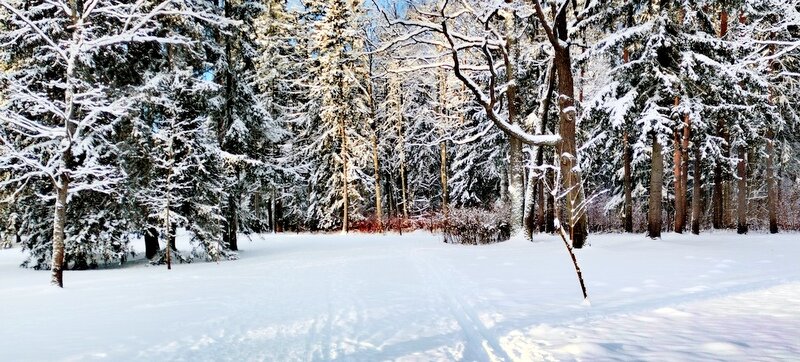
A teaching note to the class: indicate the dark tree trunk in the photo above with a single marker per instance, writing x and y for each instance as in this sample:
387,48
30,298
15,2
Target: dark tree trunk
741,207
677,159
232,224
151,246
656,181
627,180
772,197
687,133
697,192
627,222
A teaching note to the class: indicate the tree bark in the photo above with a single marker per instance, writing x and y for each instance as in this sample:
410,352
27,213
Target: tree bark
772,198
233,223
443,175
59,220
516,177
741,209
697,191
443,144
656,181
401,136
567,148
627,181
345,180
718,197
677,159
687,133
374,140
151,246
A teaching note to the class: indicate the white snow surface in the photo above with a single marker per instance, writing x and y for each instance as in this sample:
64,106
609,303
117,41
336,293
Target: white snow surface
411,297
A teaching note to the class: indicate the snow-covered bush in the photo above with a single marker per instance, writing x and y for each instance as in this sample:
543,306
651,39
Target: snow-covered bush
477,226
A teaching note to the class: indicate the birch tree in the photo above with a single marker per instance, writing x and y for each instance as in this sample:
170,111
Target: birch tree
54,128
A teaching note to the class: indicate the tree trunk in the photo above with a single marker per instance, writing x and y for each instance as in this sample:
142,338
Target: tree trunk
404,188
151,246
61,183
697,191
377,171
627,181
345,180
567,148
442,110
687,123
516,170
401,136
545,218
772,198
656,181
530,205
540,199
375,160
718,197
233,223
550,213
741,208
443,175
59,220
677,159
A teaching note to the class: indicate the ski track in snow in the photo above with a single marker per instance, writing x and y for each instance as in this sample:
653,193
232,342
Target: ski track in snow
368,297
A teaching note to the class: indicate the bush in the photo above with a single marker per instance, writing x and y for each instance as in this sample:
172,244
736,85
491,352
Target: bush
477,226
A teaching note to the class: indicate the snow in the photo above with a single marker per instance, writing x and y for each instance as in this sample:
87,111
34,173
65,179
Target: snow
412,297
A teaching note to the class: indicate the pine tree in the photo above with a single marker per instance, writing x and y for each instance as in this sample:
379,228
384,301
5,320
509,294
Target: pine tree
338,145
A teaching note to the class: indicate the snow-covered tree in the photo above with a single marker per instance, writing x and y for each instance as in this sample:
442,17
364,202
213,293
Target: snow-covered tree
336,129
58,117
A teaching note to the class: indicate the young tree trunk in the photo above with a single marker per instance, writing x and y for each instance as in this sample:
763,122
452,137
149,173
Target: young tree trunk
345,178
374,139
377,171
627,183
233,223
741,209
718,197
272,217
550,213
656,181
443,175
545,216
59,220
697,191
404,188
530,205
540,199
442,109
772,198
401,136
151,246
687,123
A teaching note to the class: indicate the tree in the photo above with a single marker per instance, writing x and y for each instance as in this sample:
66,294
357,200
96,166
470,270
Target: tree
57,129
476,49
338,146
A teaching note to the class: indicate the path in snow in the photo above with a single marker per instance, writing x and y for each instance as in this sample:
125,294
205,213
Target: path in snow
411,297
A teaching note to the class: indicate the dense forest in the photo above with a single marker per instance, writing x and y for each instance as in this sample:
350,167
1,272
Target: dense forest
228,117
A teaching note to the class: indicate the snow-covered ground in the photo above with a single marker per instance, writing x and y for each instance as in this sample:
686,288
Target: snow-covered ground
411,297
